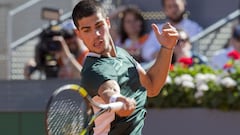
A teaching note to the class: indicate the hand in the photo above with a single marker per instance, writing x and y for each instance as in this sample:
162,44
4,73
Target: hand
66,51
168,37
29,68
61,40
128,108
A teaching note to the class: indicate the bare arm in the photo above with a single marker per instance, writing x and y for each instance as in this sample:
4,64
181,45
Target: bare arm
68,54
154,79
110,88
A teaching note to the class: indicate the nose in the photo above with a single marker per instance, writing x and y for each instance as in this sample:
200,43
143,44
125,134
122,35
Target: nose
97,33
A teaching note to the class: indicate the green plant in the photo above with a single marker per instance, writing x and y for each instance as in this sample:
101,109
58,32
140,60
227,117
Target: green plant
199,86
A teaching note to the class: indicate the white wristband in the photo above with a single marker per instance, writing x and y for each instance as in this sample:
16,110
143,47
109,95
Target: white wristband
113,98
138,67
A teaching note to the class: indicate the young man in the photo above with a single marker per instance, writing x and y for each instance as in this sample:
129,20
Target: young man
174,11
110,74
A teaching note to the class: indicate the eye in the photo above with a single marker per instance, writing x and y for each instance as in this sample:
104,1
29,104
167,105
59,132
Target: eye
86,30
100,25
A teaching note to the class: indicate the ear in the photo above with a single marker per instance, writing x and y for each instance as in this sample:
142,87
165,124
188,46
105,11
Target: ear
108,22
78,33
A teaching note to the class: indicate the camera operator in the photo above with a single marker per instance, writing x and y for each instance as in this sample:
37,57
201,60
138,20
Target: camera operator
59,54
72,55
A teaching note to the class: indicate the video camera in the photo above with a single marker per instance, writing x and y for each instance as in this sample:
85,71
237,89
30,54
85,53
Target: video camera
48,44
47,34
45,53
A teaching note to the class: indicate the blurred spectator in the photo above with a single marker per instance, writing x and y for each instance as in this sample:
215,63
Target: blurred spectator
59,53
72,46
174,11
183,51
132,32
114,17
221,58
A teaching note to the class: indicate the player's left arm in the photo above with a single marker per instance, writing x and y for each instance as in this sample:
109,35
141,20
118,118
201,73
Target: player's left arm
154,79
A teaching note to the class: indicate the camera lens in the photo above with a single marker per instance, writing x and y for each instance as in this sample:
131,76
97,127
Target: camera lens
54,46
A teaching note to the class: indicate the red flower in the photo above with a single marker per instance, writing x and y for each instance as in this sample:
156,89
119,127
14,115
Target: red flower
234,55
227,66
186,61
171,68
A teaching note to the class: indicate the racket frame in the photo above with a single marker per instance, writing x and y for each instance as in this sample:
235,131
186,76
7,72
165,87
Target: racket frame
103,107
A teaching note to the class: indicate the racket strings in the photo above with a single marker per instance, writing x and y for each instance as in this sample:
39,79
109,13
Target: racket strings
65,117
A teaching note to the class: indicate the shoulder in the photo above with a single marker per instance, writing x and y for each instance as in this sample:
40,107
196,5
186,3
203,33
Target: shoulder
95,72
95,65
222,52
220,58
143,38
190,22
191,27
221,55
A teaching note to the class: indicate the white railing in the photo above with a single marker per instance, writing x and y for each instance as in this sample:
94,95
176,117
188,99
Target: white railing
216,25
24,22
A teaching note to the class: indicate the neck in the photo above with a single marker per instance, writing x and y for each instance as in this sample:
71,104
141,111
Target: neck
176,21
133,37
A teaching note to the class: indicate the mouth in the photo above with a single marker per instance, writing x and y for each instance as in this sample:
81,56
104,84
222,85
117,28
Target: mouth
98,43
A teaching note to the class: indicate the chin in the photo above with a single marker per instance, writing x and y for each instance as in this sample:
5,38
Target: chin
176,19
99,51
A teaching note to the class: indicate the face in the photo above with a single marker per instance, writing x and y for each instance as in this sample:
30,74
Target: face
132,25
94,31
174,9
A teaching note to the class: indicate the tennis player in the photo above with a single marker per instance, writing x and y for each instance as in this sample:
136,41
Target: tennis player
110,74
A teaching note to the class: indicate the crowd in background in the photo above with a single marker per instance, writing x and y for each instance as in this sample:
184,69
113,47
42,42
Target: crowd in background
129,32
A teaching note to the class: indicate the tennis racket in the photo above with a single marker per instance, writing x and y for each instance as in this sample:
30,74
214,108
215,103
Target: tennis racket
69,112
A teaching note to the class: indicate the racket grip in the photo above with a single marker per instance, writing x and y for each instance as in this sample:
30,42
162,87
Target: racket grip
116,106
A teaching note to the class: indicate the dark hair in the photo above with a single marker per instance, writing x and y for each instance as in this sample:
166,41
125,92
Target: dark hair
163,2
137,13
86,8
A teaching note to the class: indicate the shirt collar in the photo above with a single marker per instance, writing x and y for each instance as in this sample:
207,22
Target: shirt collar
94,54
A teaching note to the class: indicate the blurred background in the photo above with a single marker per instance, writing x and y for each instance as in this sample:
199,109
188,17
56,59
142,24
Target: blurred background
23,25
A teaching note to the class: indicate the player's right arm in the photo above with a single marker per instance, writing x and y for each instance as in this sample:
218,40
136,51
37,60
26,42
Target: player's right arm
110,89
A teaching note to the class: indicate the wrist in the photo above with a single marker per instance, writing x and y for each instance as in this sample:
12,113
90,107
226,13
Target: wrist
167,48
138,67
114,98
